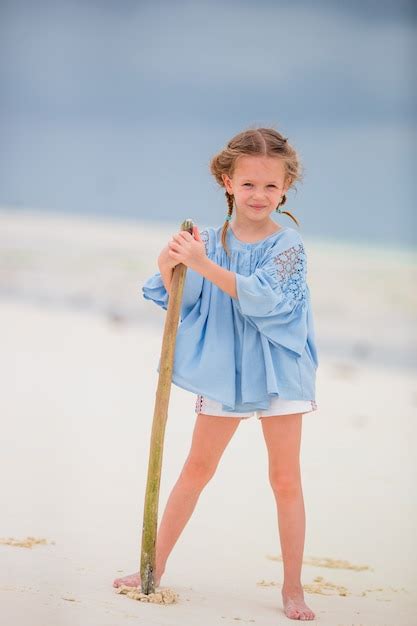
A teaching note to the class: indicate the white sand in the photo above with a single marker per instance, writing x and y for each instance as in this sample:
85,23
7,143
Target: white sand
77,403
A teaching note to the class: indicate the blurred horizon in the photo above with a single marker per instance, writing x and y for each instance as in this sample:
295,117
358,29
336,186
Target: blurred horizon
115,109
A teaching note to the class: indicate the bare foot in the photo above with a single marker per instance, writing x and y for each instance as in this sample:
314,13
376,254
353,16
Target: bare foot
294,605
133,580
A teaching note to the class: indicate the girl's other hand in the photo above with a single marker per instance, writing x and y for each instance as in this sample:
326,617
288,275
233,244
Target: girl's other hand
166,260
186,248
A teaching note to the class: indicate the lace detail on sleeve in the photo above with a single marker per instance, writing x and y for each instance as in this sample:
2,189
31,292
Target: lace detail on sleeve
205,238
290,267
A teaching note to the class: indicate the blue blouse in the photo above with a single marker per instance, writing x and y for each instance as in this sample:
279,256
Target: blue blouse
243,351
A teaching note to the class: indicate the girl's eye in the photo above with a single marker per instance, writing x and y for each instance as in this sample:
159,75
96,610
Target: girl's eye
244,184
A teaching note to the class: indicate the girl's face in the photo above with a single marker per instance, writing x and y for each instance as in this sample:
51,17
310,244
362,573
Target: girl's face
257,184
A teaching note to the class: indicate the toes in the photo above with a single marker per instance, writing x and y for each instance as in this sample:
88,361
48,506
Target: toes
306,616
294,613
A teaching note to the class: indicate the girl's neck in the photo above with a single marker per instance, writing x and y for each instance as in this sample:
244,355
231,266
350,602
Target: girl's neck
251,232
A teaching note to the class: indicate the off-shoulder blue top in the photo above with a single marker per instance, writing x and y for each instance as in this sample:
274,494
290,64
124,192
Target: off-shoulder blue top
243,351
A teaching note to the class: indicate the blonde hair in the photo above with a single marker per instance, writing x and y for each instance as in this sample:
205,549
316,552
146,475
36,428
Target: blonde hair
255,142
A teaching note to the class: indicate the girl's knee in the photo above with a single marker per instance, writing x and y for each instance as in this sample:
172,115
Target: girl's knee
285,484
198,471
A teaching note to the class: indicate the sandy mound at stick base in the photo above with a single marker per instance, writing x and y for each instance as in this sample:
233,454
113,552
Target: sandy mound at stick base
163,596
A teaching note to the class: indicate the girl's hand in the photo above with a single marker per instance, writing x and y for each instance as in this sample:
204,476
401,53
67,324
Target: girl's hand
166,260
186,248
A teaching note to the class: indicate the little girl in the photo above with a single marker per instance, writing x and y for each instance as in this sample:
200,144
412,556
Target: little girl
245,343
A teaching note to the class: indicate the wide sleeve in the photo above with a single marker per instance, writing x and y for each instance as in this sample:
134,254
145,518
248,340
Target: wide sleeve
154,289
274,298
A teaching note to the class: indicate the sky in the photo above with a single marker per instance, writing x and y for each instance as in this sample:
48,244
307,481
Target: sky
115,108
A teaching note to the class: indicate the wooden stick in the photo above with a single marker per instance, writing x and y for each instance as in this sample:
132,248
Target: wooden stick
150,516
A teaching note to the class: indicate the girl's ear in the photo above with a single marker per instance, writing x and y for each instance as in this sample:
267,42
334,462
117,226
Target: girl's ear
227,183
287,184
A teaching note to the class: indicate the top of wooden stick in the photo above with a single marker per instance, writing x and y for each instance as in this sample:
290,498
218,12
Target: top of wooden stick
188,224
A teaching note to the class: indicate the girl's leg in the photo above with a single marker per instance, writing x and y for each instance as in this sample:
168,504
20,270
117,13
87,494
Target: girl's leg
210,437
282,435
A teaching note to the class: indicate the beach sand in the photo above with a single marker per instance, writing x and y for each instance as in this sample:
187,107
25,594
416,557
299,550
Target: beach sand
78,359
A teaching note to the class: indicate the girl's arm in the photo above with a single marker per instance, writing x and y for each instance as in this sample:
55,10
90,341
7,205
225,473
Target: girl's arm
223,278
166,275
166,267
220,276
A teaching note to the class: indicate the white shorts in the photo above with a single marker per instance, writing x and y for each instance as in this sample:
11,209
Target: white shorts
277,406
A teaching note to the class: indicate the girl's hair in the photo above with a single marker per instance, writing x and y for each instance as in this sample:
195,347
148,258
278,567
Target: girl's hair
255,142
